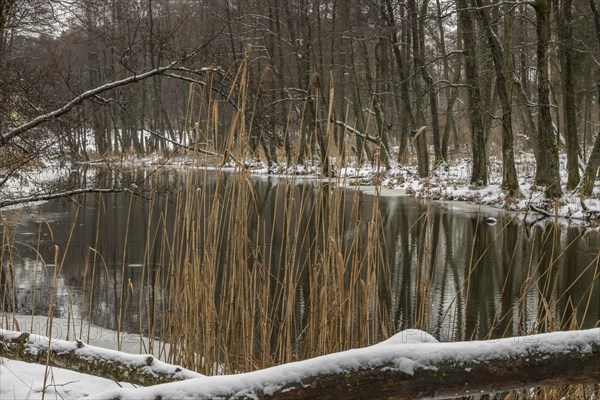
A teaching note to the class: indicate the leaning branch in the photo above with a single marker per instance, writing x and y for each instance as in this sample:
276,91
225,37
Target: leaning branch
181,145
79,99
52,196
357,132
78,356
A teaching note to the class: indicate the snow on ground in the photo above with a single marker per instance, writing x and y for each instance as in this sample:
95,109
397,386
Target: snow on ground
451,182
20,381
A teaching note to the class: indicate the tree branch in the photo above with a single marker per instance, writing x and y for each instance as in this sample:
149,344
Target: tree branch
78,356
79,99
52,196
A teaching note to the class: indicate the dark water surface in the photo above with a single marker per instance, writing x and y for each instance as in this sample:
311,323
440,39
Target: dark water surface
507,279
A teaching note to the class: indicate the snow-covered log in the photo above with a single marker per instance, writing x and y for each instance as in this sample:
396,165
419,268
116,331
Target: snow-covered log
78,356
410,365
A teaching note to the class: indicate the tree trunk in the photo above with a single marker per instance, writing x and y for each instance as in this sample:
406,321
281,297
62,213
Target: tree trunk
5,7
384,149
479,172
361,147
419,139
510,181
591,170
389,17
565,45
430,88
527,117
547,167
453,92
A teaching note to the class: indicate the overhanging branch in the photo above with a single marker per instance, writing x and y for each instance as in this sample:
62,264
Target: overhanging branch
82,97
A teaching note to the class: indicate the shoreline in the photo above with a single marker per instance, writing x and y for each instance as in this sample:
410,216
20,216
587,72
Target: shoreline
449,187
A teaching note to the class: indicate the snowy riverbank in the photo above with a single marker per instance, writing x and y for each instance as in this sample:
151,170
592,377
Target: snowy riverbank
449,183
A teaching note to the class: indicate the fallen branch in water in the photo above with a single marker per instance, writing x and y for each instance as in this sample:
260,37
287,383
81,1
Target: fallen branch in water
540,211
78,356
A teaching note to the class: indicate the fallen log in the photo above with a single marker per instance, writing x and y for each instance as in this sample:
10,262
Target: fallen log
401,369
78,356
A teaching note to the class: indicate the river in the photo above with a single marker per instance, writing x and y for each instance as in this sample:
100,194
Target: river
437,267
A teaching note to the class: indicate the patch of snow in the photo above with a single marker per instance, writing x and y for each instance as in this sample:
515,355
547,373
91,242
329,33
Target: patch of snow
21,380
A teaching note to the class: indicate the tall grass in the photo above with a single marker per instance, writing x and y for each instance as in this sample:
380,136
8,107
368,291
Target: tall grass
227,303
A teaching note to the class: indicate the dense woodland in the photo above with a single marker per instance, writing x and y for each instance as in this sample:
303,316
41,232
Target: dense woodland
307,81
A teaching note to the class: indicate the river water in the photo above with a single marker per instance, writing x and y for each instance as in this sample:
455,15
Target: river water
483,280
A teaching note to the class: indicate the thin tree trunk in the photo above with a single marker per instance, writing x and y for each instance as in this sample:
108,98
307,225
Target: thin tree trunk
527,117
453,92
381,128
565,45
389,17
591,169
361,147
430,88
420,139
510,181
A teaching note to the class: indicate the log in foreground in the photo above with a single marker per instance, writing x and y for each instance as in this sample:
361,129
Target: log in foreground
78,356
399,368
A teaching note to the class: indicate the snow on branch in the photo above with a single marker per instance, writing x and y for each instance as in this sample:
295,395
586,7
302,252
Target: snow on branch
405,369
78,356
356,132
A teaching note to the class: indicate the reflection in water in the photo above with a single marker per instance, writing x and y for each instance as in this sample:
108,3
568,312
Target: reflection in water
438,269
